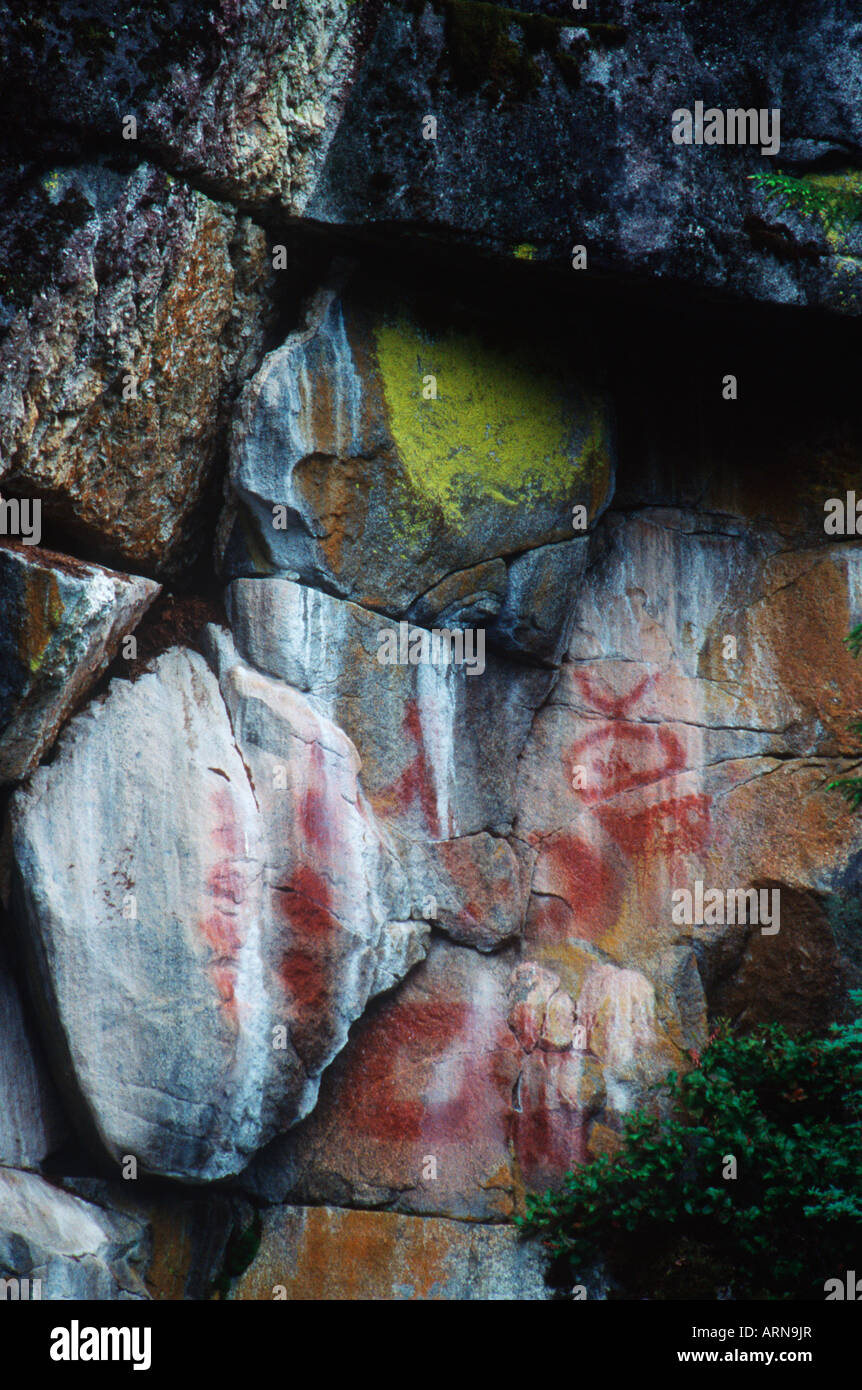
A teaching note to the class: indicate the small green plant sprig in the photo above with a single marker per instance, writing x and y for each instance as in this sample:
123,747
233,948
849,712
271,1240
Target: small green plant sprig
242,1246
838,208
789,1111
851,787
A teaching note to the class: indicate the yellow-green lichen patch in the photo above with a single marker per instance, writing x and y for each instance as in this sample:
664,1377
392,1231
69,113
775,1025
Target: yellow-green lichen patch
503,431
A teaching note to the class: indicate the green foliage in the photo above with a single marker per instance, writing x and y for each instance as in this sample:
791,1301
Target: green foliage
838,207
850,788
668,1224
853,640
242,1246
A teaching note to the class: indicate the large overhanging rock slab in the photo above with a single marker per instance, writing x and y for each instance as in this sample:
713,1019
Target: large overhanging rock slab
520,133
56,1246
200,947
129,317
406,462
61,622
531,133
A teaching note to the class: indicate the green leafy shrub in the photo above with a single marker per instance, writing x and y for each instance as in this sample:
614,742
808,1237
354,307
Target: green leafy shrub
838,207
666,1222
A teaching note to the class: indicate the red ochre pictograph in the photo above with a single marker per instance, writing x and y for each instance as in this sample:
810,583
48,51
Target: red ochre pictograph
628,824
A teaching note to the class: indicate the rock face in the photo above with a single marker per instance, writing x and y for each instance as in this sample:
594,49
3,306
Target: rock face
427,1066
578,117
688,762
399,462
492,430
280,910
73,1249
654,763
323,110
438,755
62,622
32,1123
242,97
388,1257
129,317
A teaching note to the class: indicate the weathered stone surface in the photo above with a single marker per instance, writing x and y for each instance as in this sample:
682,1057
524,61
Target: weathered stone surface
348,474
476,887
447,1056
241,96
32,1123
439,746
653,763
417,1111
321,110
187,1231
401,938
439,752
225,918
334,890
539,602
659,760
61,622
76,1249
114,284
577,117
152,1007
325,1253
471,597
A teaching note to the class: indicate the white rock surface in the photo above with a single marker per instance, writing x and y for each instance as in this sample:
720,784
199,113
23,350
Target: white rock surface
204,940
75,1249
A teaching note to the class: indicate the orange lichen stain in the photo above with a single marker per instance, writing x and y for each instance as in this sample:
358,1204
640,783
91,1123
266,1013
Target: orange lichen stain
171,1260
357,1255
604,1140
